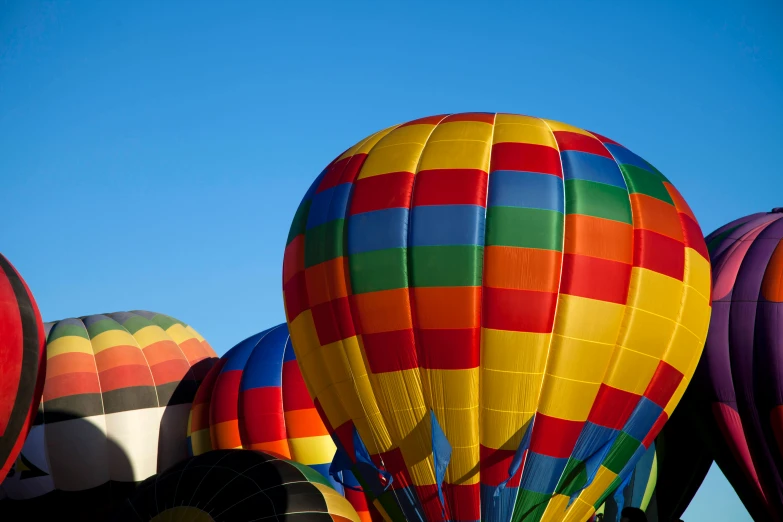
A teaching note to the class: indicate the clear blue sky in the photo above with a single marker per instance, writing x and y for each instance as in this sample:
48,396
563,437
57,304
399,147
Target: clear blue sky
152,156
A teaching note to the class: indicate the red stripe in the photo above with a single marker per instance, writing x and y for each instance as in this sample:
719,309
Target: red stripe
293,258
451,187
574,141
295,395
390,351
295,295
659,253
391,190
612,407
494,467
343,171
333,321
693,237
554,437
204,393
11,350
470,116
604,139
71,384
518,310
595,278
429,120
452,349
525,157
394,463
262,417
225,397
663,384
175,370
125,376
655,430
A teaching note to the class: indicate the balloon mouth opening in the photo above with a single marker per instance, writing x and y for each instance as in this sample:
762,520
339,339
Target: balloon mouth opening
776,210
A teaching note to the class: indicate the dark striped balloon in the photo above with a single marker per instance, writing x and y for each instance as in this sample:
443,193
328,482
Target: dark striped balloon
740,376
237,486
22,364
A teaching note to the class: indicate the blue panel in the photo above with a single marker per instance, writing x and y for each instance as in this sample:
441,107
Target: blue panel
641,476
377,230
499,507
592,439
265,366
329,205
591,167
642,419
409,502
236,358
323,469
508,188
439,225
290,354
625,156
542,473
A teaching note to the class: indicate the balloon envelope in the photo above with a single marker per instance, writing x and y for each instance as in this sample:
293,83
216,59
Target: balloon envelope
237,486
114,411
255,398
740,377
22,364
498,312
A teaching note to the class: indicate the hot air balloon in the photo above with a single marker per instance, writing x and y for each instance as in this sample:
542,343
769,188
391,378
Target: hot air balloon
237,486
739,381
498,312
22,364
115,406
636,492
255,398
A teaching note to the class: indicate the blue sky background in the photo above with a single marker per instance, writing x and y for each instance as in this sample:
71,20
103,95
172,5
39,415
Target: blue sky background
152,156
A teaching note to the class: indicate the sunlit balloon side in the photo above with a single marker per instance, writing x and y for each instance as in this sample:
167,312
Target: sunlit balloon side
115,408
495,313
255,398
22,362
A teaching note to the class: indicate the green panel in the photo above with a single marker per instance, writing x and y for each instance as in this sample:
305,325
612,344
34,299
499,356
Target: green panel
299,224
525,227
378,270
641,181
453,265
714,242
104,325
609,492
136,323
598,200
324,242
530,506
65,330
622,451
310,474
165,322
573,479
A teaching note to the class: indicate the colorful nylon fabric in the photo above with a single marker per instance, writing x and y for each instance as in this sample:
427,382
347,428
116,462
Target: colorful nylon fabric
236,486
520,278
114,411
22,364
637,492
255,398
740,376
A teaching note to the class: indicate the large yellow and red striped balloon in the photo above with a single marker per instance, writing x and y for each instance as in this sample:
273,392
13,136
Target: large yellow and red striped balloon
503,310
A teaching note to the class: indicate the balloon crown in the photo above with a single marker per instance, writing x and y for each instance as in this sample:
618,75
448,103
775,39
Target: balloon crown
776,210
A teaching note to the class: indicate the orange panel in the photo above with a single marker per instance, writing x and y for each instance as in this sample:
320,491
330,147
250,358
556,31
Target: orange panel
772,285
384,311
275,447
448,307
522,268
225,435
304,423
597,237
72,362
653,214
333,272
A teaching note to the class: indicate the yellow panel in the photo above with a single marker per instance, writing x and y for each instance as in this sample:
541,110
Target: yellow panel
555,509
503,429
503,118
336,504
510,391
579,511
201,441
559,126
603,479
193,333
180,334
588,319
112,338
579,360
332,406
68,344
514,351
647,333
304,337
400,400
566,399
696,313
462,130
396,158
408,134
461,426
312,450
524,134
683,349
421,470
656,293
464,465
450,388
150,335
697,272
631,371
456,155
364,146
